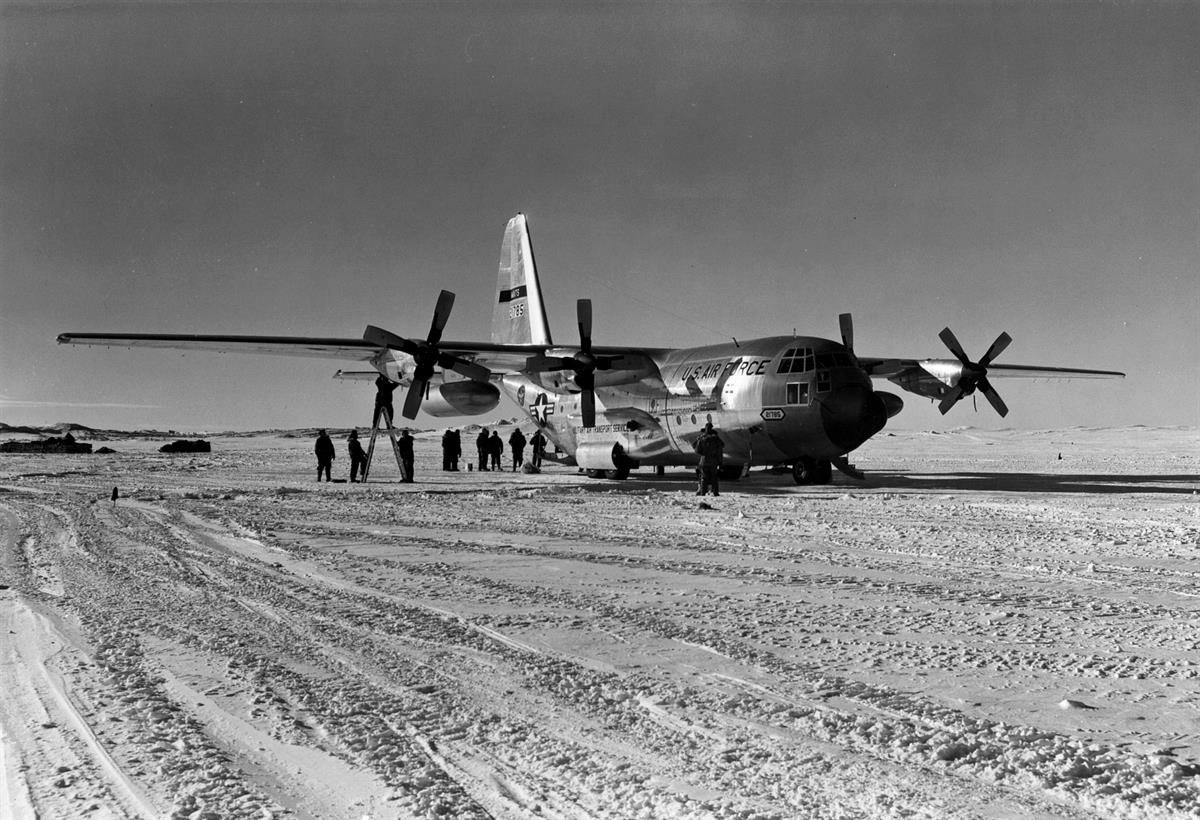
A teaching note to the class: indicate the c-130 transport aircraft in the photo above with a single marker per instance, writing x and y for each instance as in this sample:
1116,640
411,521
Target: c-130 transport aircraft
791,400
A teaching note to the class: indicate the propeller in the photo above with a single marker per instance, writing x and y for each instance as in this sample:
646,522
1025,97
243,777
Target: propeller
974,374
427,355
846,322
584,363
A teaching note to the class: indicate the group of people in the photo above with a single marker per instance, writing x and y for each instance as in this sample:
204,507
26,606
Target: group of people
358,457
491,451
708,446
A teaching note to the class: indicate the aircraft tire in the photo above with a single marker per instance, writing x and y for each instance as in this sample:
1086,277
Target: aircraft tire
619,474
823,473
731,472
595,473
804,470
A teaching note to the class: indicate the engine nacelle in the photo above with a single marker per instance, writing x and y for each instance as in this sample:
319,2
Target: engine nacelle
935,378
465,398
602,455
891,401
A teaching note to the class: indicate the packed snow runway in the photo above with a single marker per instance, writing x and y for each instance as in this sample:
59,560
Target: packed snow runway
980,629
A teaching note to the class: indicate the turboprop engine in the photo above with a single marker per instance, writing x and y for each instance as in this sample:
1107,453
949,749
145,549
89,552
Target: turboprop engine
462,398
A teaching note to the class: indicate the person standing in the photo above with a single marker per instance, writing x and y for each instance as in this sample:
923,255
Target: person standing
481,444
517,442
358,457
384,387
711,449
325,455
496,450
455,449
405,446
447,450
538,443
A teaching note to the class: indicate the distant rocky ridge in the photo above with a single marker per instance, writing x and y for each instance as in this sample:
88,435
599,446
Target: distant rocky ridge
63,428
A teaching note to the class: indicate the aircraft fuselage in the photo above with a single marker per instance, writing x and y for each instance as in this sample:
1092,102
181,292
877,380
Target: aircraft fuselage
773,400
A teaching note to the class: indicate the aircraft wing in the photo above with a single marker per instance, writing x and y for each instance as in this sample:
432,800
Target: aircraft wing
900,368
629,366
346,349
938,378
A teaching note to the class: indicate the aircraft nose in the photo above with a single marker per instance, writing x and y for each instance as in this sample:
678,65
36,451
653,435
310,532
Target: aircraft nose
852,414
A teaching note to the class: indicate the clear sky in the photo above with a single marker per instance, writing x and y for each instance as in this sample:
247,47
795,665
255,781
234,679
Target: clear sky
699,170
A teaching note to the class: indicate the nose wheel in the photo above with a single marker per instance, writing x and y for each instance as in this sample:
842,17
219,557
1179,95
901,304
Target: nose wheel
812,471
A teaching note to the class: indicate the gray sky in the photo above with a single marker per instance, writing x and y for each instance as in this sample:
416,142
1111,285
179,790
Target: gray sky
700,170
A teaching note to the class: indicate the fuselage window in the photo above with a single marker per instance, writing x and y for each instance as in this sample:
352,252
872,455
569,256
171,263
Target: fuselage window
823,381
796,360
797,393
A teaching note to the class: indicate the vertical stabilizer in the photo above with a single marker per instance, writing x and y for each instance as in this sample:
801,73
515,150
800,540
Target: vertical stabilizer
519,316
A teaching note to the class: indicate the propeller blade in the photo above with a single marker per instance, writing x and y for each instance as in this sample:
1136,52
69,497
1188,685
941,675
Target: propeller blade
385,338
949,340
992,396
846,322
583,311
1002,341
950,399
441,314
587,407
474,372
412,401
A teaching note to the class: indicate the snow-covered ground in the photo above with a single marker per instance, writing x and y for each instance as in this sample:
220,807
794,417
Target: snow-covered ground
980,629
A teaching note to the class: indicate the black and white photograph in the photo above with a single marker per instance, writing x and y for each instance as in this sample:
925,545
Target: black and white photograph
599,411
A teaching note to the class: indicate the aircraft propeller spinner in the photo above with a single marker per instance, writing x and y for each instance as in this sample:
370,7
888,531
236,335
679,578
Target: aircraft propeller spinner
584,363
427,355
974,374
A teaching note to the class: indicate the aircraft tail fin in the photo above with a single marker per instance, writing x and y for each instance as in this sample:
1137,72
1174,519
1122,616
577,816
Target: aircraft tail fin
519,315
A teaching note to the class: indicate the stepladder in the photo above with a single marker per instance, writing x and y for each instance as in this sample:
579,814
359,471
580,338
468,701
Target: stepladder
386,417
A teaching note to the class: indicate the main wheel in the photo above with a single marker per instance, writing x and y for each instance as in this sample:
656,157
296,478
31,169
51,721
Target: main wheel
823,473
804,471
619,474
731,472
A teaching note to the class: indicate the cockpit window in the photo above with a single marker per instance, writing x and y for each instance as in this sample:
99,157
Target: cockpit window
796,360
834,359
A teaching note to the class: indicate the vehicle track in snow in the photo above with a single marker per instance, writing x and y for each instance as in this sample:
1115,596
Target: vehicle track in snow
516,646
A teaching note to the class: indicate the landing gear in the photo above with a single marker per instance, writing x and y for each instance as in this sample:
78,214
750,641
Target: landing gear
811,471
618,474
731,472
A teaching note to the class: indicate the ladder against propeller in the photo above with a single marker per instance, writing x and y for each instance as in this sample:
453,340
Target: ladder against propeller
384,414
427,355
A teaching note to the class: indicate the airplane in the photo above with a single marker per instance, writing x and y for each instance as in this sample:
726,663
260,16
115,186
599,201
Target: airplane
797,401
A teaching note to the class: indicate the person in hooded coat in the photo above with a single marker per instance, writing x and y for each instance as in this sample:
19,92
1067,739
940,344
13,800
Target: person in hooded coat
481,444
358,457
517,442
496,450
711,449
325,455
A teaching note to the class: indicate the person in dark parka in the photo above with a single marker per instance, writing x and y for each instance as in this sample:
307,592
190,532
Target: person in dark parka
358,457
481,444
711,448
538,443
517,442
405,446
496,450
456,450
447,450
384,388
325,455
